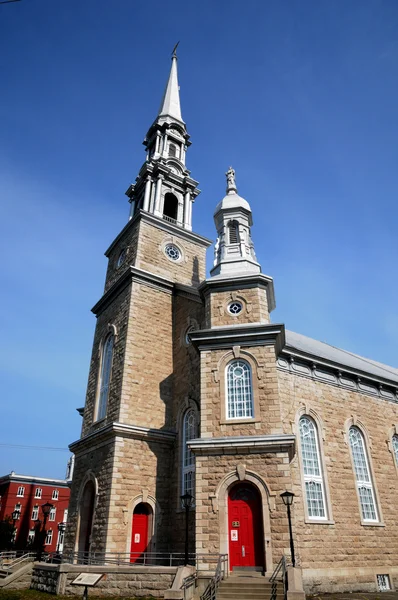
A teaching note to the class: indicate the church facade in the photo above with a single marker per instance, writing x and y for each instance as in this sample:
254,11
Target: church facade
194,390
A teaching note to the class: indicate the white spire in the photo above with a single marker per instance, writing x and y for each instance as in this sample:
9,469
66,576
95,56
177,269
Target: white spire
170,105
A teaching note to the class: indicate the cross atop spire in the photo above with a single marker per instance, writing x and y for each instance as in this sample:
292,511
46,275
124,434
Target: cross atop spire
170,105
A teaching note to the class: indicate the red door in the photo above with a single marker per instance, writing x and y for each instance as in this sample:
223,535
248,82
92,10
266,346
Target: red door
245,527
139,534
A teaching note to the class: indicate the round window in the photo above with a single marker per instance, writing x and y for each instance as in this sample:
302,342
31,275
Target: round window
172,252
234,308
188,331
122,258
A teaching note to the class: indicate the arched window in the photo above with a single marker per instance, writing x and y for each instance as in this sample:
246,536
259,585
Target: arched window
105,376
170,207
362,475
239,390
312,469
395,447
189,432
233,231
172,150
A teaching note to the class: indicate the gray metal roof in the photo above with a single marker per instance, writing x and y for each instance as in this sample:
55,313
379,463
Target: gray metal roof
302,343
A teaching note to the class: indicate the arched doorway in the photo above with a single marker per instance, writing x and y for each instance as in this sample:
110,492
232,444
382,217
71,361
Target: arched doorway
245,528
86,514
170,207
141,531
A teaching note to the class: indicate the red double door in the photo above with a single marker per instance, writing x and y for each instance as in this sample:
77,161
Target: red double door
245,525
139,534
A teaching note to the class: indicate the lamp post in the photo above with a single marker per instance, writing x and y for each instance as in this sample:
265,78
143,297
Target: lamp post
46,509
186,501
287,498
61,532
15,517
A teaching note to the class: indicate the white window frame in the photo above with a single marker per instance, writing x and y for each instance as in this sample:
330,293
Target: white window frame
38,493
233,393
394,444
55,495
21,491
65,519
188,467
49,537
18,506
35,513
60,540
362,483
105,376
52,514
31,536
313,478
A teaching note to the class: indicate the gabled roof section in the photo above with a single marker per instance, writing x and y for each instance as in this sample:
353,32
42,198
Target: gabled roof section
170,106
307,346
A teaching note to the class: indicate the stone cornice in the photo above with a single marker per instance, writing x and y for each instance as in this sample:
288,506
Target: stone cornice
239,335
244,444
239,282
145,217
320,369
122,430
132,274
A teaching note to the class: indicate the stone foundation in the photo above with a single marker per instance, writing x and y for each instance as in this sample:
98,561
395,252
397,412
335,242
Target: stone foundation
346,579
131,581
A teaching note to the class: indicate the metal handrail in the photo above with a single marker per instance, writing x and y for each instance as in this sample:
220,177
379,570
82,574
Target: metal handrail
11,564
171,559
280,570
210,592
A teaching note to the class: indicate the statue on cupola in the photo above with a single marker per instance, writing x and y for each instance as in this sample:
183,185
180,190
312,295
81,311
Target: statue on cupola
234,249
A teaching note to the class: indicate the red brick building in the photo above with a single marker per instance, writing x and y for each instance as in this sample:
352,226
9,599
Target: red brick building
27,494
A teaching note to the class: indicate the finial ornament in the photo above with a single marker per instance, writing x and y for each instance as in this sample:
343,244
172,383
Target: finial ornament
174,53
231,184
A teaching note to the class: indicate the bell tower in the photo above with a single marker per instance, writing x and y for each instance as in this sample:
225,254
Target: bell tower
164,187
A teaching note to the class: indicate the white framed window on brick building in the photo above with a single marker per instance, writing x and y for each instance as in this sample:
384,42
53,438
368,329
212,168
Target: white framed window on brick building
55,495
31,536
35,513
18,507
314,481
53,512
239,390
21,491
189,432
49,537
38,492
105,376
364,483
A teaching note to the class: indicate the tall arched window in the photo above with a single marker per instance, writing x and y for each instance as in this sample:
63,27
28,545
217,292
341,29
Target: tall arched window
233,232
395,447
170,207
312,469
172,150
239,390
362,474
189,432
105,376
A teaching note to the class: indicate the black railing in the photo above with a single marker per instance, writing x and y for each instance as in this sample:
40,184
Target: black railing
279,575
210,592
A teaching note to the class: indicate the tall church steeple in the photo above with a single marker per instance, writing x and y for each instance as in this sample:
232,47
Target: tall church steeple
234,250
164,187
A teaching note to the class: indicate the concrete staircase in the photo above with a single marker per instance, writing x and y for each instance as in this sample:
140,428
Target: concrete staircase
243,587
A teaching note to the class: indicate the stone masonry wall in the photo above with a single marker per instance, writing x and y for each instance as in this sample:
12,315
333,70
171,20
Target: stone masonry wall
99,461
267,415
116,314
255,307
127,243
345,543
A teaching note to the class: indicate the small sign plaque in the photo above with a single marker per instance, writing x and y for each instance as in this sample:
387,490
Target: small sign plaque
137,538
89,579
234,535
235,524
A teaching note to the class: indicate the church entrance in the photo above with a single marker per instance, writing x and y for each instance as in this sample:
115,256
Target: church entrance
141,532
245,528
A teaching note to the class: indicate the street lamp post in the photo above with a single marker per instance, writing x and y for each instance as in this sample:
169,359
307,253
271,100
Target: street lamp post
287,498
186,501
46,509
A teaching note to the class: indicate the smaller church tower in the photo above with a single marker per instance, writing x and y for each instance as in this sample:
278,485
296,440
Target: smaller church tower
164,187
234,250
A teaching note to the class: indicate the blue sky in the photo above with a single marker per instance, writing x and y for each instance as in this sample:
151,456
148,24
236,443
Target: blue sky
299,96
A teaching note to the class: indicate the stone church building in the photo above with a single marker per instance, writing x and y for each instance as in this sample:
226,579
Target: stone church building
193,389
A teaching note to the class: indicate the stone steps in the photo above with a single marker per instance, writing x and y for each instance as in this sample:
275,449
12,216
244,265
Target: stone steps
238,587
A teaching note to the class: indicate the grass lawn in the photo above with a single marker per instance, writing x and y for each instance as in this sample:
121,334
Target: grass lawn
34,595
